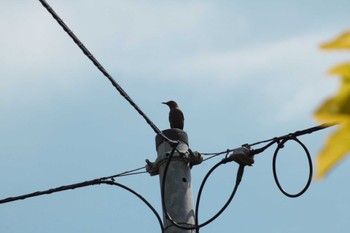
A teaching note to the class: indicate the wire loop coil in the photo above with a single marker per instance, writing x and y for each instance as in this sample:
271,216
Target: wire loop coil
280,145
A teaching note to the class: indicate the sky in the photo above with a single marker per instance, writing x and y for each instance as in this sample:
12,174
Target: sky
241,71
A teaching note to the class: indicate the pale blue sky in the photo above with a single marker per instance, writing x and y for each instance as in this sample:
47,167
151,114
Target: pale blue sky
242,71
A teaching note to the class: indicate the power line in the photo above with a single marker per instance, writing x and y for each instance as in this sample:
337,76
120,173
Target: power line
281,140
103,70
270,141
141,198
109,180
96,181
52,190
280,146
135,171
213,155
295,134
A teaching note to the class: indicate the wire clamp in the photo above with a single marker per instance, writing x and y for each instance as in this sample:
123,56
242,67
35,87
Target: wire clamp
241,155
194,158
189,156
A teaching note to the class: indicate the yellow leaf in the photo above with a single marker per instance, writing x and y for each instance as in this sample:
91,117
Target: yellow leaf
337,146
341,42
337,108
341,70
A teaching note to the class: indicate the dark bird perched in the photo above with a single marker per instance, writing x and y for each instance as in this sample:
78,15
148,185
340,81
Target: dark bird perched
176,117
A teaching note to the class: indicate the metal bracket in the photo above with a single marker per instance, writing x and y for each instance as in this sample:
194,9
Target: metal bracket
241,156
190,157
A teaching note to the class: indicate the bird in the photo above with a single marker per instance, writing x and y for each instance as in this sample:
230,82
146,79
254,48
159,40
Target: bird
176,117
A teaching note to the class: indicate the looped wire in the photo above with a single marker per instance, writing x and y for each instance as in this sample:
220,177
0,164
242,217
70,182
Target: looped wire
280,146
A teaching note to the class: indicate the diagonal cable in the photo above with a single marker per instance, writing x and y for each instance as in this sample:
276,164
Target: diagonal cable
100,67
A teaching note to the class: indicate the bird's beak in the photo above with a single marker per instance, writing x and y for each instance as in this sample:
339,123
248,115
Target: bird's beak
164,103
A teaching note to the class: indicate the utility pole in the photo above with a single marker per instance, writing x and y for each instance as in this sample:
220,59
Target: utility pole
177,187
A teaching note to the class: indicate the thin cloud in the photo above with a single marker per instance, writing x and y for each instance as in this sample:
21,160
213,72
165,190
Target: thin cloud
285,55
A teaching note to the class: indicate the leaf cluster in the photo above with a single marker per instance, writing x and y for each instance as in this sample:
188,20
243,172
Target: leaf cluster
336,110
